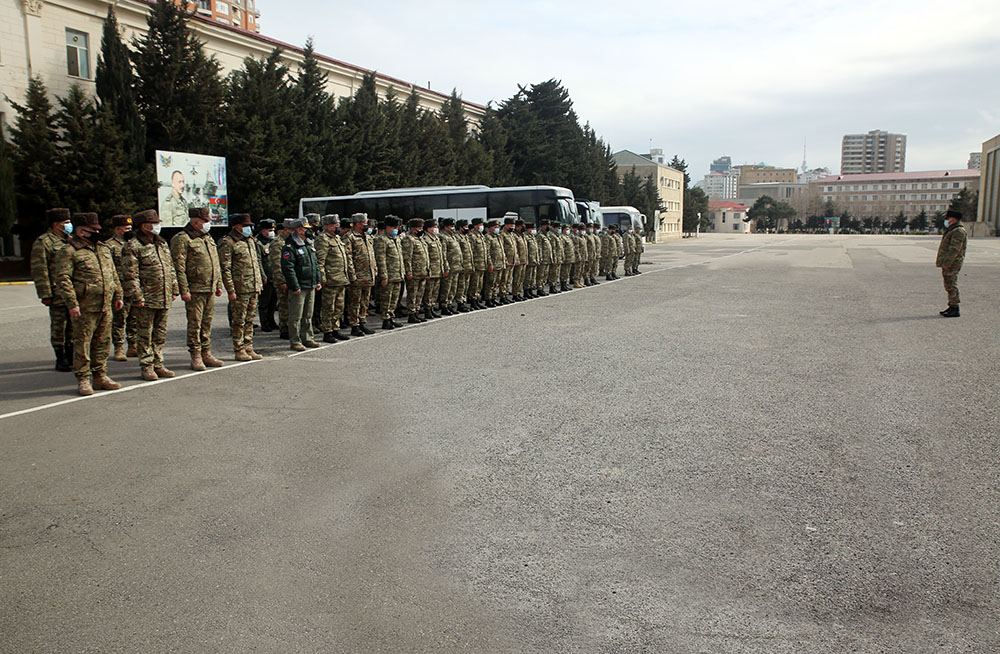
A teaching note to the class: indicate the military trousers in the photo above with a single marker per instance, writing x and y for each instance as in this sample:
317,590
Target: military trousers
475,291
613,265
595,264
950,276
554,270
565,270
415,289
150,335
333,299
431,292
60,326
530,276
491,284
462,286
123,326
517,284
266,304
242,311
200,311
446,293
282,309
358,299
300,310
388,299
506,279
91,343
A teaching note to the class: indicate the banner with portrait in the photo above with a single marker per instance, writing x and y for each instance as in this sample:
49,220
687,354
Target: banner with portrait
187,180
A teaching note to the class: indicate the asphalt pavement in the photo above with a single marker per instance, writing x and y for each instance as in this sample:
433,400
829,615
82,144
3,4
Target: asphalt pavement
763,444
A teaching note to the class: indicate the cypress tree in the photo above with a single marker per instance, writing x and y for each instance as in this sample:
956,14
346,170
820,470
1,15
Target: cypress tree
370,139
494,140
315,111
178,87
437,155
8,201
453,114
408,164
35,157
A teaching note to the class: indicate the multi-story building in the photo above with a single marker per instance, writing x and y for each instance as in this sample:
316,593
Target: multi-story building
887,194
760,174
728,217
874,152
975,160
799,196
989,187
669,184
238,13
723,164
722,186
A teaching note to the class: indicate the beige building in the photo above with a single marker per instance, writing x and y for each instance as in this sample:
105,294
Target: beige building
874,152
886,194
728,217
989,186
238,13
766,175
670,184
59,41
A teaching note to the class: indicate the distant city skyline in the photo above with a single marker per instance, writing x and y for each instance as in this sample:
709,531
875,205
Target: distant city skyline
646,78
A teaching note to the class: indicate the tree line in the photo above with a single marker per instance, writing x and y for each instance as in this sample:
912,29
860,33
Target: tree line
282,133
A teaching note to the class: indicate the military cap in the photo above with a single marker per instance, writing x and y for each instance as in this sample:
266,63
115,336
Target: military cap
295,223
952,213
240,219
461,222
57,215
331,219
267,223
543,223
86,218
528,225
345,223
199,212
390,221
147,216
286,223
518,223
447,222
430,222
416,223
493,223
508,220
358,217
476,221
121,220
312,219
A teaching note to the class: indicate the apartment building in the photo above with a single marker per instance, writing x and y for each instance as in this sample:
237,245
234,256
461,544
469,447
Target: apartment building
874,152
887,194
238,13
757,174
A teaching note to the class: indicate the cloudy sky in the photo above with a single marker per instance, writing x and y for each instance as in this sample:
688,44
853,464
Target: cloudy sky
751,79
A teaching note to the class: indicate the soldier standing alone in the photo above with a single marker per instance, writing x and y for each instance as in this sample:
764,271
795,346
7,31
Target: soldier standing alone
950,257
243,276
88,284
196,263
43,271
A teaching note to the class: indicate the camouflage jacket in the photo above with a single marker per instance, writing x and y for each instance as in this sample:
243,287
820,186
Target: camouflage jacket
362,252
533,252
335,267
581,248
117,246
568,249
639,247
495,255
149,271
86,276
609,246
452,251
468,263
595,242
509,247
544,248
479,246
43,265
264,252
520,249
241,265
951,251
628,244
196,261
389,257
620,244
435,255
555,240
274,260
415,259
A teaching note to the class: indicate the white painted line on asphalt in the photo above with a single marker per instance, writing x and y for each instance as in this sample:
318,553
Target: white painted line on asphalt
379,334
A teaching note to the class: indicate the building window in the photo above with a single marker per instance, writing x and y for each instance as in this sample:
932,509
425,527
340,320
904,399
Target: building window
204,5
954,185
222,8
77,54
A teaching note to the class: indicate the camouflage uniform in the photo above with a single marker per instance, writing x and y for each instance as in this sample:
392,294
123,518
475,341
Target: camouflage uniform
196,264
544,259
568,259
608,253
43,271
123,324
620,249
555,266
595,256
532,257
438,269
268,300
336,272
362,252
175,210
496,263
581,257
628,250
510,260
416,268
520,265
389,260
88,280
150,281
452,254
242,273
278,280
465,275
478,245
950,257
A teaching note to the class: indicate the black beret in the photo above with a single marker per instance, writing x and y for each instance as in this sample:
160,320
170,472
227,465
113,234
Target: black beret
240,219
57,215
477,221
121,220
951,213
86,218
345,223
461,222
267,223
199,212
147,216
447,222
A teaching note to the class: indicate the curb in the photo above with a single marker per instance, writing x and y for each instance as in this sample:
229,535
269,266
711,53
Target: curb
16,283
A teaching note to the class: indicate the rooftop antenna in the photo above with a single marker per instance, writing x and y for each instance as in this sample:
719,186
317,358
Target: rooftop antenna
805,168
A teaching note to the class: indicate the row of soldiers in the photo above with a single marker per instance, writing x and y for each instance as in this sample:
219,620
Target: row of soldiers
104,293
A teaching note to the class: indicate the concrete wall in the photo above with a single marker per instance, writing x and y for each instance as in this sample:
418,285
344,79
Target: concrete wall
989,186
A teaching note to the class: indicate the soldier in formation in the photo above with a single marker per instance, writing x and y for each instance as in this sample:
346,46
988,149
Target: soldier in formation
336,272
301,272
43,272
199,279
268,300
361,249
389,261
242,271
123,325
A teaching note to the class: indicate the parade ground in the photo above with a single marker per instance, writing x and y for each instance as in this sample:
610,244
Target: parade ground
767,444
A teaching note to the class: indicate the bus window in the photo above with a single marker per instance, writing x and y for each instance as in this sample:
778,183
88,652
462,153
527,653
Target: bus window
401,207
425,205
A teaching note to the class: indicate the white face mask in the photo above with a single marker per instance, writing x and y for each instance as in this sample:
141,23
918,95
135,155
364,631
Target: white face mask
156,229
479,228
206,227
532,232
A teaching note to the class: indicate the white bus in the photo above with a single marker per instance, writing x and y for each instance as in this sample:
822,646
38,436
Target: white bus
531,203
624,217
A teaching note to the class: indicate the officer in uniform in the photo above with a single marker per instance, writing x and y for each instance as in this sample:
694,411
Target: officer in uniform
278,277
452,255
151,286
496,263
87,281
639,249
554,235
416,268
123,323
620,241
595,263
568,258
268,300
242,273
43,269
477,243
361,249
505,294
196,263
580,254
950,257
301,272
521,257
438,268
628,243
533,256
468,266
544,257
336,271
389,260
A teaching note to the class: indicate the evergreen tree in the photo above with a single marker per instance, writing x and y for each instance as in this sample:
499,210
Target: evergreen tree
920,222
115,82
453,114
652,204
408,164
264,171
967,203
314,131
392,119
178,86
437,155
369,138
35,156
8,199
632,193
493,138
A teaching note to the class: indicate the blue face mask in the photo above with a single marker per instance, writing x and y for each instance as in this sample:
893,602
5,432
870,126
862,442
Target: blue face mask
68,228
247,231
394,232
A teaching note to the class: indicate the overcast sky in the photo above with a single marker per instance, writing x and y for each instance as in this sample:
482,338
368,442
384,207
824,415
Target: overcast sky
750,78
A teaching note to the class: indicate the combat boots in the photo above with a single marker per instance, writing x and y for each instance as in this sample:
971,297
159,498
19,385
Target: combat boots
104,383
951,312
365,330
328,337
253,353
340,337
148,374
210,359
163,372
131,352
119,353
84,387
297,347
356,331
387,324
242,355
64,362
196,363
413,320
